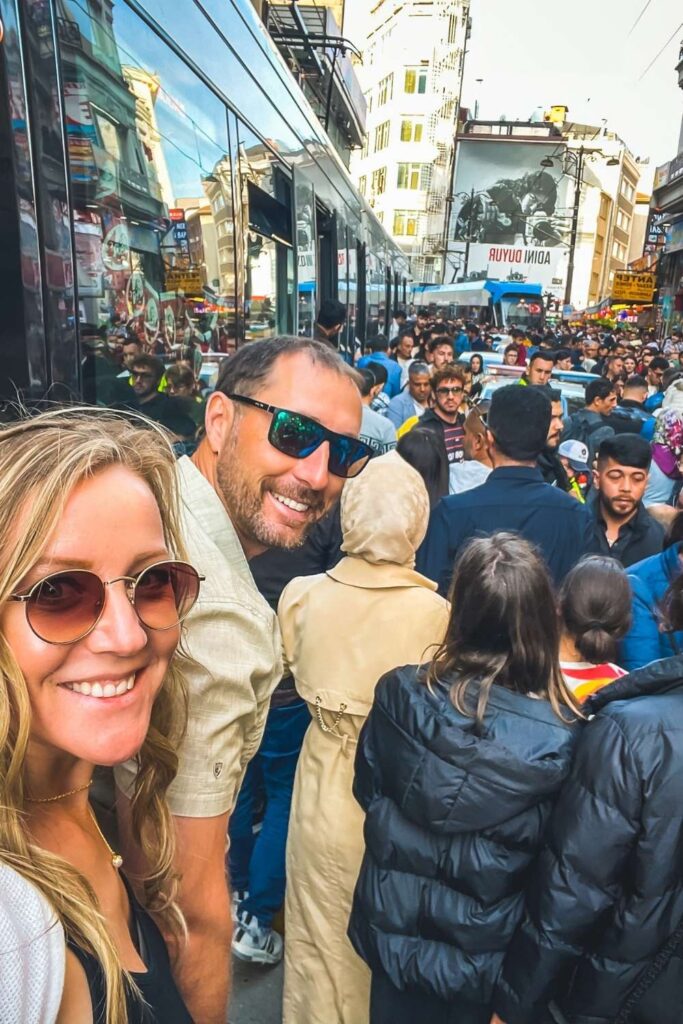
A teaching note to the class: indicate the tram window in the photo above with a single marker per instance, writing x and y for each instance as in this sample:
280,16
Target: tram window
267,211
305,249
152,196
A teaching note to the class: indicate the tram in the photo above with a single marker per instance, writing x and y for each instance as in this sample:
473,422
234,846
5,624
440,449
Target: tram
496,303
165,178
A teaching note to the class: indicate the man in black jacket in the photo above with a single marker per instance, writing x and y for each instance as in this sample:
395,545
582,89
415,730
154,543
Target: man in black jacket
622,526
513,498
630,416
549,463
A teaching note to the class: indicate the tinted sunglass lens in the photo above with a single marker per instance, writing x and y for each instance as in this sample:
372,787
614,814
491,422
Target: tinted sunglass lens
295,435
165,593
65,606
348,457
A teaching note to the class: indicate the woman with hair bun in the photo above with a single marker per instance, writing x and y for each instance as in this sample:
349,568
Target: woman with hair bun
595,614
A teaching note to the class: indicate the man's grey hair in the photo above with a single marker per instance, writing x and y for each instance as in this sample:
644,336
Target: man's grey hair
417,369
251,366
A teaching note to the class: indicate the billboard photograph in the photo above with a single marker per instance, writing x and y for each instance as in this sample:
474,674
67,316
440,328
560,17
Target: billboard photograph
511,216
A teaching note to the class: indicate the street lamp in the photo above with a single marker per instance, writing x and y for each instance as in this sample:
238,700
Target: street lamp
578,156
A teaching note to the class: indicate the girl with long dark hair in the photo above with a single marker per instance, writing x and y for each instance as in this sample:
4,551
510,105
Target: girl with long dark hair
457,769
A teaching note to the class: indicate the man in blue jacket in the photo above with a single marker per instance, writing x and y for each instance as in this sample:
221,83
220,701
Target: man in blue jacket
648,639
379,353
513,498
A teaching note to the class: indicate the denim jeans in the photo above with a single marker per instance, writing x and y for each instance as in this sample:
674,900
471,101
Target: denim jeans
257,862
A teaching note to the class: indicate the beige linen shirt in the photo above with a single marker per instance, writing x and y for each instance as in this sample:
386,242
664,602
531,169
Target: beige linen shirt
233,637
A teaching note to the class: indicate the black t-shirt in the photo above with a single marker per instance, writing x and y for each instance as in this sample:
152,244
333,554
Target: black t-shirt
169,413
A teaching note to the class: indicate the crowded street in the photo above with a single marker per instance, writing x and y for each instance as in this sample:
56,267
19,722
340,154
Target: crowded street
341,478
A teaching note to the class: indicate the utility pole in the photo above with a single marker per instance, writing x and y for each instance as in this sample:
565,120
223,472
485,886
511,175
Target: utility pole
575,225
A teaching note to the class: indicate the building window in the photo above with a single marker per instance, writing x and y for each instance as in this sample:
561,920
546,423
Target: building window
406,223
386,90
379,181
411,131
619,251
623,221
628,191
416,81
363,184
413,176
366,147
379,214
382,136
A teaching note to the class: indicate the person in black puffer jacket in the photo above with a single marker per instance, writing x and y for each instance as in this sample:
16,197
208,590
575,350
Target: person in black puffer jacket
457,769
608,894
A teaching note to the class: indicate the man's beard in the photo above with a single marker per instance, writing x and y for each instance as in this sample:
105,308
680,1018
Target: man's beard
245,507
617,513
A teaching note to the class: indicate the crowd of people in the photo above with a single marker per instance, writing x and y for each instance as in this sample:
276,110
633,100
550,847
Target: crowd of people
391,649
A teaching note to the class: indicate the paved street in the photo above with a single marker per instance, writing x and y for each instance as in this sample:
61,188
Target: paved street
257,994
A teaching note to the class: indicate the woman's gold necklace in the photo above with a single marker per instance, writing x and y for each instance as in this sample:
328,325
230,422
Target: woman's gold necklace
116,858
60,796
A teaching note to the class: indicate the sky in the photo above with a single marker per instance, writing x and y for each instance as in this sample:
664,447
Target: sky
535,53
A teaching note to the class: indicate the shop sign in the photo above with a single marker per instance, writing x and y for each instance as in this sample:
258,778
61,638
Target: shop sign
676,168
674,238
185,281
655,235
629,287
661,175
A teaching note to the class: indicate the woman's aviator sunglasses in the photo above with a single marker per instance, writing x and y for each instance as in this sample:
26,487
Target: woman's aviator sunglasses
65,606
298,436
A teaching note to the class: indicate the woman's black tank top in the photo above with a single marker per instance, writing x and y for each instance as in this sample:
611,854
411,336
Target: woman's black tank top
163,1003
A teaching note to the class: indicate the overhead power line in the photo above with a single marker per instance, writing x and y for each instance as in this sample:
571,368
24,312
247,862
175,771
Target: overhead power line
658,55
636,22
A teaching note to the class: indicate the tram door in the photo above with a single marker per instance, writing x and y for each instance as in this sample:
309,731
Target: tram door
326,228
362,306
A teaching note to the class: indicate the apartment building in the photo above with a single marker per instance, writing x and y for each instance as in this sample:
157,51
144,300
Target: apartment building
411,75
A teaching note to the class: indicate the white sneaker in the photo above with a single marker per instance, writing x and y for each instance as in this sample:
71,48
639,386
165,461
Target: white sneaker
254,943
238,898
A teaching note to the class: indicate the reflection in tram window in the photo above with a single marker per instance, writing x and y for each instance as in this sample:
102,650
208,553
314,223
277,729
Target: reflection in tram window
306,257
267,221
152,192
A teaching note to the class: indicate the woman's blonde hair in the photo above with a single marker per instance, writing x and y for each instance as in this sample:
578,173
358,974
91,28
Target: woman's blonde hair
42,459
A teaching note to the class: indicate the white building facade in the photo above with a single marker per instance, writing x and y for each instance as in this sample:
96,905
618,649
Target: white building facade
412,78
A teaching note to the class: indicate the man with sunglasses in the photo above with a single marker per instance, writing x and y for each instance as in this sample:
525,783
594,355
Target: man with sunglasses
444,418
281,439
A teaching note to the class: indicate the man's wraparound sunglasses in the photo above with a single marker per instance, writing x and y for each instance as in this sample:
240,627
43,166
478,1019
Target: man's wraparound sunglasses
65,606
298,436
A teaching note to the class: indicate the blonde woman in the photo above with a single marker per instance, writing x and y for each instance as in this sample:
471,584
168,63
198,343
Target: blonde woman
91,598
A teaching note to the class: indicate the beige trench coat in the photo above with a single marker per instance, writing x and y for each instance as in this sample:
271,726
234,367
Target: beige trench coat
341,632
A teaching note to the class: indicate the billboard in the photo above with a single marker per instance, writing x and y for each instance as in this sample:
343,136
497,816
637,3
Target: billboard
511,218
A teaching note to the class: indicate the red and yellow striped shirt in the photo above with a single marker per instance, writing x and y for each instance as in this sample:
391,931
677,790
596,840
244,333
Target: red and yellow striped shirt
583,679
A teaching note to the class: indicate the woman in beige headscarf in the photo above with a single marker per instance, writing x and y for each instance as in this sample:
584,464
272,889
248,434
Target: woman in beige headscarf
342,631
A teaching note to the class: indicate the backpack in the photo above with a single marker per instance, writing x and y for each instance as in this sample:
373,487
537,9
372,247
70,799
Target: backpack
580,429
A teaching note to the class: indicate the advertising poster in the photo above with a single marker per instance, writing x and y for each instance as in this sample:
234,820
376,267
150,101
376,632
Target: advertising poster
514,213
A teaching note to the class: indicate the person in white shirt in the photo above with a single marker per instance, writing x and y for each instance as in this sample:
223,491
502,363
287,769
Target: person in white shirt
477,464
398,323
